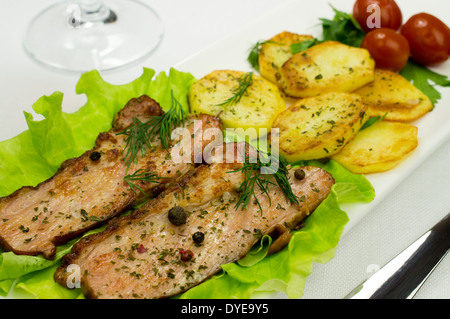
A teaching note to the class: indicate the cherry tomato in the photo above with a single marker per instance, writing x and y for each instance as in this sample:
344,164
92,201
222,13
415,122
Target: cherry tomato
428,37
388,48
389,15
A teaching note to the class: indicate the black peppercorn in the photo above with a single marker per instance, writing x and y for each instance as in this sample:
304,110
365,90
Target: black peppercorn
198,237
177,216
95,156
299,174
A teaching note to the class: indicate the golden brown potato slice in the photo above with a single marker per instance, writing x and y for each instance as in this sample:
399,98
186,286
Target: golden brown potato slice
318,127
275,52
378,148
327,67
258,107
391,93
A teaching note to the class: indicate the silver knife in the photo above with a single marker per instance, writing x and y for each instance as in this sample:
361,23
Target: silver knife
404,275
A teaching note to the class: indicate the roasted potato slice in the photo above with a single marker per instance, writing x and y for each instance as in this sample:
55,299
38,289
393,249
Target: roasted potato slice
391,93
275,52
378,148
257,108
327,67
320,126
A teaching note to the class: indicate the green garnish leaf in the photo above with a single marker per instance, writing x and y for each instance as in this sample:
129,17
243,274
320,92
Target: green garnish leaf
343,28
302,46
245,81
425,80
253,57
373,120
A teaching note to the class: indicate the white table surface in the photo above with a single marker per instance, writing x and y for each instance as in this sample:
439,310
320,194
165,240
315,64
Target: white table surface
415,206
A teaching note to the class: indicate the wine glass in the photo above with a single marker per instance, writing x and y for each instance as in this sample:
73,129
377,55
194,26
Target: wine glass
82,35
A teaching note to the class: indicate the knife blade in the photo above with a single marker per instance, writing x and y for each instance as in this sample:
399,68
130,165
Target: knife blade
404,275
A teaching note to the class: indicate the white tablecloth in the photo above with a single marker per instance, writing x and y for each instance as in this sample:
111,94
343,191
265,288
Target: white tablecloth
416,205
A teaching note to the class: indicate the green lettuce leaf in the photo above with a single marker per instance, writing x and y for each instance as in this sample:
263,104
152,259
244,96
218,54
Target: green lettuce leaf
21,164
34,156
5,286
14,266
40,285
257,253
349,187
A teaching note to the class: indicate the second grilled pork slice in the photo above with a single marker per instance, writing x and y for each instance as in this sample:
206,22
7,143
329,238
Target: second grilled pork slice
88,190
155,253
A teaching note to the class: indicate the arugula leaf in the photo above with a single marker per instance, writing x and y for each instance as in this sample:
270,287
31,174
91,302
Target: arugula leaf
423,78
343,28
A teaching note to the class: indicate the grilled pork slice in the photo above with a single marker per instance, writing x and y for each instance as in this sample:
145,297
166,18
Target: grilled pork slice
88,190
146,255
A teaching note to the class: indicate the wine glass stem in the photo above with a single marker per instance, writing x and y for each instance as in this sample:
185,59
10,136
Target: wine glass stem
90,11
91,6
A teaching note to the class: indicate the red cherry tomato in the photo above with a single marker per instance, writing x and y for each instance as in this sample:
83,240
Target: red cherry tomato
428,37
388,16
388,48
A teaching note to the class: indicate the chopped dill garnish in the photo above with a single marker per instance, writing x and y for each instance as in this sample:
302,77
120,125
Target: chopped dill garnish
245,81
141,134
257,173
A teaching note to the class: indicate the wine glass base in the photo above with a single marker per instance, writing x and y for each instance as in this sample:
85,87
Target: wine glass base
62,38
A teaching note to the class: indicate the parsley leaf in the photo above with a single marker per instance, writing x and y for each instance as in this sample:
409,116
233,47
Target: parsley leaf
423,78
343,28
253,57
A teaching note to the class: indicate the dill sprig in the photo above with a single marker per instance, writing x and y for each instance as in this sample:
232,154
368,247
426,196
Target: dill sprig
257,173
141,176
244,82
140,135
137,137
174,117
